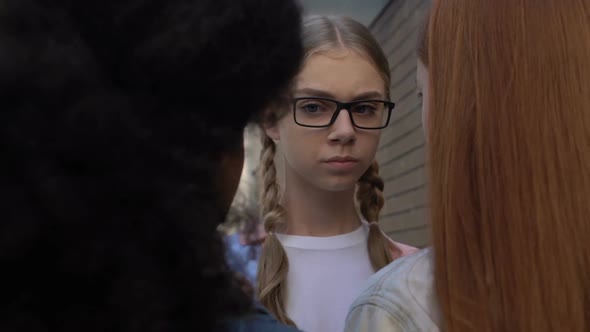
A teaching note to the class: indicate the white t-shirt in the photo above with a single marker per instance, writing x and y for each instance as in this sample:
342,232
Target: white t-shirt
325,276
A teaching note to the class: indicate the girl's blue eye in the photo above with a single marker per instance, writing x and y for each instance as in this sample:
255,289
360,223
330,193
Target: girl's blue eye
366,109
311,108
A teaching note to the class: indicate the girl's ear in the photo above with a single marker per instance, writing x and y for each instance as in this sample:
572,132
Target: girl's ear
270,124
273,132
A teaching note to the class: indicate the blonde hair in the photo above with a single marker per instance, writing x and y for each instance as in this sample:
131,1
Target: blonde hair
320,34
510,163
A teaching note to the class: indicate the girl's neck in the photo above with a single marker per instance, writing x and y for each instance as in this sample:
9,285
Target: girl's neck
315,212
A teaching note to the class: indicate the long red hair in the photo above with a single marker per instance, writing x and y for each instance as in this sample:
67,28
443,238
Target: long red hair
509,156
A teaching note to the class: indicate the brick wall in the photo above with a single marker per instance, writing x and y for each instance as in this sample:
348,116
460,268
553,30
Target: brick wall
402,150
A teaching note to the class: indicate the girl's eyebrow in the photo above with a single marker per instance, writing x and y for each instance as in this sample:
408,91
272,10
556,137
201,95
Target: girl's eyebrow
324,94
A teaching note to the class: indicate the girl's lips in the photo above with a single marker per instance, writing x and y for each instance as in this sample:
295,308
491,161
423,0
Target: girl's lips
341,163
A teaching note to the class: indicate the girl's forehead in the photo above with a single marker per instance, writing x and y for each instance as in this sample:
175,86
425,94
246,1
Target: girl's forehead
344,75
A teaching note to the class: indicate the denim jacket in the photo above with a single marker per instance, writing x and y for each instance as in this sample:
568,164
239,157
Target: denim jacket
259,321
398,298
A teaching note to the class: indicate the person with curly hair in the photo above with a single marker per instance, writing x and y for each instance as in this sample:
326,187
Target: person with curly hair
121,128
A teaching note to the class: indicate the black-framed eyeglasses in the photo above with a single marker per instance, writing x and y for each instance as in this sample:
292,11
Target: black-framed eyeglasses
318,112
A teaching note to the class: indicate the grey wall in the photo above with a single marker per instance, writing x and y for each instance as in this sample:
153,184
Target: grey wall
402,150
363,11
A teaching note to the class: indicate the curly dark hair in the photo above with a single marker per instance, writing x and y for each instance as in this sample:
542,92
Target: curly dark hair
113,117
